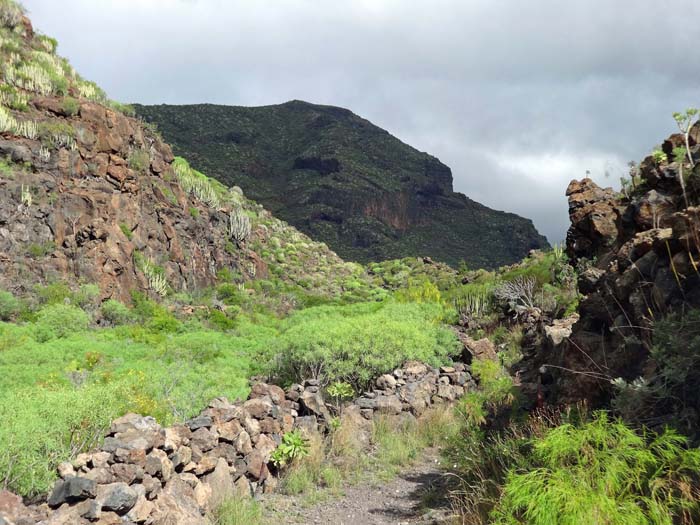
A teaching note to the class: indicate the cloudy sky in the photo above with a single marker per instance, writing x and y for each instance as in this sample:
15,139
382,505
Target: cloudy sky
517,97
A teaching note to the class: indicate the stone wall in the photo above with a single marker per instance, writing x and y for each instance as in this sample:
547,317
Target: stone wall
144,473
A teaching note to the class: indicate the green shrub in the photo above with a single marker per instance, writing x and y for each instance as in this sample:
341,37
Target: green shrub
293,447
39,250
676,351
117,313
357,343
56,134
139,160
221,320
229,293
603,472
86,296
9,305
126,109
70,106
669,392
496,392
42,427
423,291
56,321
126,230
52,293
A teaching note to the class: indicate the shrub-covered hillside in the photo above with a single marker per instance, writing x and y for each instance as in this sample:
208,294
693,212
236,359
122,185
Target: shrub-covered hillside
344,181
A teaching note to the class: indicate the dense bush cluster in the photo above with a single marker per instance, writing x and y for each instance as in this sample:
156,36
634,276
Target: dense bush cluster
568,469
357,343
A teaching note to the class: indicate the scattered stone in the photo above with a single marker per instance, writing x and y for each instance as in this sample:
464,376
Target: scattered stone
117,497
204,439
66,470
182,457
134,422
560,329
200,422
386,382
229,431
141,510
127,472
158,465
258,407
243,445
72,489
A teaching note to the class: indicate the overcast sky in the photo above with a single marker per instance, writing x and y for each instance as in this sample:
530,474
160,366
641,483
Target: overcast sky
517,97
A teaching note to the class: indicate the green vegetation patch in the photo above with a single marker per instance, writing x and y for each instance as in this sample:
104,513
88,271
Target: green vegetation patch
357,343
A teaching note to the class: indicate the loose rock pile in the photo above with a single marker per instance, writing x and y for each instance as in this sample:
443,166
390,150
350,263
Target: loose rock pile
144,473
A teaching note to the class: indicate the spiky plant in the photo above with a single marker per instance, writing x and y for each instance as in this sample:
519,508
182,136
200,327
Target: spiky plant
195,183
239,227
10,13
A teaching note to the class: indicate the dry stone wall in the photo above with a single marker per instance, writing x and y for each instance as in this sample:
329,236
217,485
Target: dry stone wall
146,474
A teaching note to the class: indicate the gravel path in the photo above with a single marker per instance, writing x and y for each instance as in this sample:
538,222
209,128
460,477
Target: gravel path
414,496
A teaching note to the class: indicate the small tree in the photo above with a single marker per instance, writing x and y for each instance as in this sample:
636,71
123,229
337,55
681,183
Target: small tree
679,155
685,123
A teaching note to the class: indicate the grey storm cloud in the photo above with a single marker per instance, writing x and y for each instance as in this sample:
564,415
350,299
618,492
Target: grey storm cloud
517,97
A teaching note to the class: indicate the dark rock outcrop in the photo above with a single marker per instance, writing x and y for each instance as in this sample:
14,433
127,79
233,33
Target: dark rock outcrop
636,258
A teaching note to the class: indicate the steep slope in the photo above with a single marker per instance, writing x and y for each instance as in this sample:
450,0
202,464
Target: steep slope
88,194
344,181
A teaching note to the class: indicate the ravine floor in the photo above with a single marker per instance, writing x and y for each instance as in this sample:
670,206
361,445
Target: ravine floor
416,495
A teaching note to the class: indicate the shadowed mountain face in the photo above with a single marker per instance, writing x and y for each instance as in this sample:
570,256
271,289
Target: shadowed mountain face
344,181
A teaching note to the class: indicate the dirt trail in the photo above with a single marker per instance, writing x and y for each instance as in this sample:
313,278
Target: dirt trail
416,495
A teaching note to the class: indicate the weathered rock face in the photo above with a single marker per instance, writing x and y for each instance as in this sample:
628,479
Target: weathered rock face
635,259
344,181
144,473
88,194
92,209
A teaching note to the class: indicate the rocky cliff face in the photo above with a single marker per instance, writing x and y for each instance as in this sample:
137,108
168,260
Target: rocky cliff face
344,181
88,194
637,259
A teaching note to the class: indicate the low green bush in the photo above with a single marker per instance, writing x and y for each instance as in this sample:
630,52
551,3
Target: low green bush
55,321
237,511
70,106
357,343
564,468
669,391
43,426
9,305
116,313
293,447
496,392
139,160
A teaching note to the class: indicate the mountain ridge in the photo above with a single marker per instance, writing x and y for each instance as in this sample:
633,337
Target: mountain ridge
344,181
